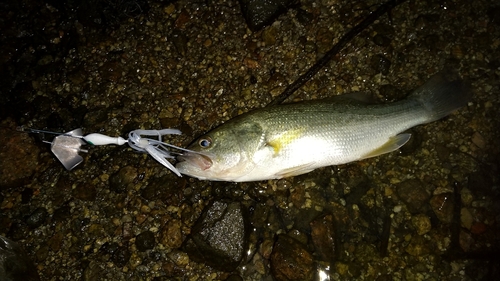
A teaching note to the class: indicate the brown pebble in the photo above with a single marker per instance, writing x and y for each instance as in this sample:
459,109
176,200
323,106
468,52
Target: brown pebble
290,260
442,205
323,237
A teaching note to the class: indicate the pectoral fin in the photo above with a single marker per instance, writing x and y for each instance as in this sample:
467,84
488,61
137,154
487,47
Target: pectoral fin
295,171
394,143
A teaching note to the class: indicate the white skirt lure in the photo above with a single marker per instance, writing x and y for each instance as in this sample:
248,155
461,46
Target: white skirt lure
66,146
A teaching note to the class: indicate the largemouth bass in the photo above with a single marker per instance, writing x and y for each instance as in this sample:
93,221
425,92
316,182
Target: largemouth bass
293,139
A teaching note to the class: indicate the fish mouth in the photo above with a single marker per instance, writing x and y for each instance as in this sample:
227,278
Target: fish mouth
201,161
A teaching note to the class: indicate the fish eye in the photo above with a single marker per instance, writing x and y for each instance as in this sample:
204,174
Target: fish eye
205,142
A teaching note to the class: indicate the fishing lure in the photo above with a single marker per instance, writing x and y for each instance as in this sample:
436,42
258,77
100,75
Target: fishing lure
66,146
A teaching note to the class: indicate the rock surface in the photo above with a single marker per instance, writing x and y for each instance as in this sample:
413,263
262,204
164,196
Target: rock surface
219,237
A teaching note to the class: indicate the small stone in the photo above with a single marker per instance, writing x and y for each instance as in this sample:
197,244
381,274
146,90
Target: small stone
121,256
323,237
17,150
418,246
291,261
466,218
478,140
341,268
171,235
120,181
380,64
465,240
55,242
478,228
422,223
259,13
180,41
179,258
85,192
111,70
442,205
269,35
381,40
234,277
37,218
145,241
466,196
413,194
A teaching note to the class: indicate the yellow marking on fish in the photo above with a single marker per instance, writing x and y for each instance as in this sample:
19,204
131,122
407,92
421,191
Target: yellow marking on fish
284,139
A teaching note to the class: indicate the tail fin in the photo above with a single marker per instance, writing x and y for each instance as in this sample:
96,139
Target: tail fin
440,97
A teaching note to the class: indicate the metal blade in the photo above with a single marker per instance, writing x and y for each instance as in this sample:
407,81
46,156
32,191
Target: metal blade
66,147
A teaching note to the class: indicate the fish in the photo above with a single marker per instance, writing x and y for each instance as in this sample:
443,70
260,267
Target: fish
293,139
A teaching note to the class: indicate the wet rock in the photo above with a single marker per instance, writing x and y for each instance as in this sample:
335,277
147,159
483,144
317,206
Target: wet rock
180,41
422,223
323,237
145,241
171,235
14,263
111,70
381,40
17,150
443,152
218,239
269,36
55,242
418,246
94,271
121,256
380,64
259,13
25,196
120,181
413,194
478,228
466,218
442,205
85,192
391,93
168,189
37,218
365,252
234,277
290,260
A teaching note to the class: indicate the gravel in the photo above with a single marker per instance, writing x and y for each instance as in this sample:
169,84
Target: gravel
111,68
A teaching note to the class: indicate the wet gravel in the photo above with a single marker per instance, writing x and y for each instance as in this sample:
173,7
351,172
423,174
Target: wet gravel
428,212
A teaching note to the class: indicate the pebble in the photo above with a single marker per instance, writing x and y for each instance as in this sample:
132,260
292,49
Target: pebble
466,218
290,260
413,194
418,246
85,192
112,77
422,223
323,237
259,13
171,235
16,150
442,205
120,181
37,217
145,241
